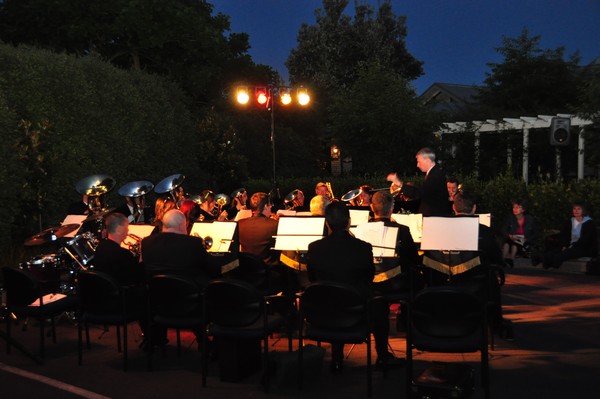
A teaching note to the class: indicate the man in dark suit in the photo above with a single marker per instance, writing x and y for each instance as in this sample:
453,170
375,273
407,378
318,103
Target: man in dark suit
342,258
434,194
172,251
382,205
114,260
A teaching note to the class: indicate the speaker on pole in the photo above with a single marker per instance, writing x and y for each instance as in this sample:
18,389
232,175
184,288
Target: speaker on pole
560,131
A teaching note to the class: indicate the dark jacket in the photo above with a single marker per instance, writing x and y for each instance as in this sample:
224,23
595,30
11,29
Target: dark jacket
434,194
119,263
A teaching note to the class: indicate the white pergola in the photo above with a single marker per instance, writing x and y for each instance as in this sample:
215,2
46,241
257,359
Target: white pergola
524,123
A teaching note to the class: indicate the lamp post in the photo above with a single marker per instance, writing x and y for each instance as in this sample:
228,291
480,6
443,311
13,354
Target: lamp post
264,96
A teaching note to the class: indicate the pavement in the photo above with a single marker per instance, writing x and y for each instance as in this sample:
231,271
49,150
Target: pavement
555,354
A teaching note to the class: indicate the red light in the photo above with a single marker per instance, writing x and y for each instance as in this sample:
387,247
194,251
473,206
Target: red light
262,97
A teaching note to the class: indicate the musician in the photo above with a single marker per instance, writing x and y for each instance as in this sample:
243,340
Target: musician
257,232
297,204
191,210
135,210
434,195
173,251
208,208
452,186
162,206
340,257
477,270
322,189
364,197
238,203
114,260
318,204
406,195
406,250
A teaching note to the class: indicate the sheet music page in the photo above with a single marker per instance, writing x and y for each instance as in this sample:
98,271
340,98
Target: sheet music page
382,238
485,219
296,233
220,232
414,221
243,214
286,212
358,216
74,219
450,233
139,230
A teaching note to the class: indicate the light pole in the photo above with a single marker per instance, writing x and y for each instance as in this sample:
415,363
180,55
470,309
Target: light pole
264,96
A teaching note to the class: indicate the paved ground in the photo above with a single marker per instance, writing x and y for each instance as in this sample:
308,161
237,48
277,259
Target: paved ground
555,354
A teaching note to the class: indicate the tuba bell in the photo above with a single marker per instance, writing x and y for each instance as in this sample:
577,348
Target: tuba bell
135,192
95,187
171,184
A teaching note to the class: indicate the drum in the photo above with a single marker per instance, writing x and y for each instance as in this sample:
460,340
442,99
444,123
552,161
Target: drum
81,249
47,269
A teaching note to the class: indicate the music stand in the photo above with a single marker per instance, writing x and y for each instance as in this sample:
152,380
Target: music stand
137,232
449,236
358,216
296,233
218,239
414,221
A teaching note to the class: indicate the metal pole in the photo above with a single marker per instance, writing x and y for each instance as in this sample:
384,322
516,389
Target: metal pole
271,93
526,155
581,155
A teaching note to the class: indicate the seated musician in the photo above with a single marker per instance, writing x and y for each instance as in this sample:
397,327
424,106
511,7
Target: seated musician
453,186
406,250
406,195
238,202
191,210
79,207
135,210
475,270
257,237
297,204
364,198
112,259
318,204
162,206
340,257
208,208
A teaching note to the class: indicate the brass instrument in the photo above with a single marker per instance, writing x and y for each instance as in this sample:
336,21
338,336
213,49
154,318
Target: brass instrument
222,200
134,247
289,200
171,185
95,187
135,192
329,191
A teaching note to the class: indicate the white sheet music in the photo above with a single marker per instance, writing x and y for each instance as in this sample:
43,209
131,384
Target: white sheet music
296,233
359,216
137,232
414,221
220,232
381,237
450,233
74,219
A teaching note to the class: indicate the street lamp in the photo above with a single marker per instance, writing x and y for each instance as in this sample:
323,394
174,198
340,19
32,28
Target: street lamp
264,96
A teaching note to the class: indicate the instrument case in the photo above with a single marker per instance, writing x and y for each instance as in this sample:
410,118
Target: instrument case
444,381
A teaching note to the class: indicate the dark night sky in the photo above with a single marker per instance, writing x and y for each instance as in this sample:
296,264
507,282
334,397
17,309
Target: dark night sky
455,38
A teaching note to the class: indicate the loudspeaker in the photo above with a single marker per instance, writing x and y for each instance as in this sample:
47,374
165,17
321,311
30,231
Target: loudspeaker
560,131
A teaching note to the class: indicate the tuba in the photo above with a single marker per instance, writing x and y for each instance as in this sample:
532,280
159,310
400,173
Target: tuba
171,185
95,187
136,192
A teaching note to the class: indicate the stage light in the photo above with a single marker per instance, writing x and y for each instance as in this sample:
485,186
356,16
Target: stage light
285,96
303,97
242,95
261,95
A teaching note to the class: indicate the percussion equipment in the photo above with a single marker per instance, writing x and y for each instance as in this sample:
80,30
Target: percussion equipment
81,249
51,234
47,269
95,187
170,185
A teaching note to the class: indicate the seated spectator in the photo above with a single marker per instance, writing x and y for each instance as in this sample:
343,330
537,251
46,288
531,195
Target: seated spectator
521,233
577,238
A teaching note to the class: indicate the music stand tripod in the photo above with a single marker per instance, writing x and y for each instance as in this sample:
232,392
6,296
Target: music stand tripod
4,313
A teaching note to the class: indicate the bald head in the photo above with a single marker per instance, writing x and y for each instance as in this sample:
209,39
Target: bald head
174,222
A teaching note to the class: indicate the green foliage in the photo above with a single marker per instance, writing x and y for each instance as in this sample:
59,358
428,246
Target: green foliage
529,80
379,122
82,117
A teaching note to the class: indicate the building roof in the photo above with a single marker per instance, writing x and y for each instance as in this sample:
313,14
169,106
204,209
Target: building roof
449,97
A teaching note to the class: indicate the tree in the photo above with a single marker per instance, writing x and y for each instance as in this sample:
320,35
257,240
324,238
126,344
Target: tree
176,38
529,80
380,123
329,52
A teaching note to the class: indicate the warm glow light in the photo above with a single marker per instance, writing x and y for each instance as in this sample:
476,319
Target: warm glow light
303,97
242,96
261,95
286,98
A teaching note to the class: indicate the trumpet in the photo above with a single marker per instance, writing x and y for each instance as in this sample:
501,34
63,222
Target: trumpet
134,247
329,191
